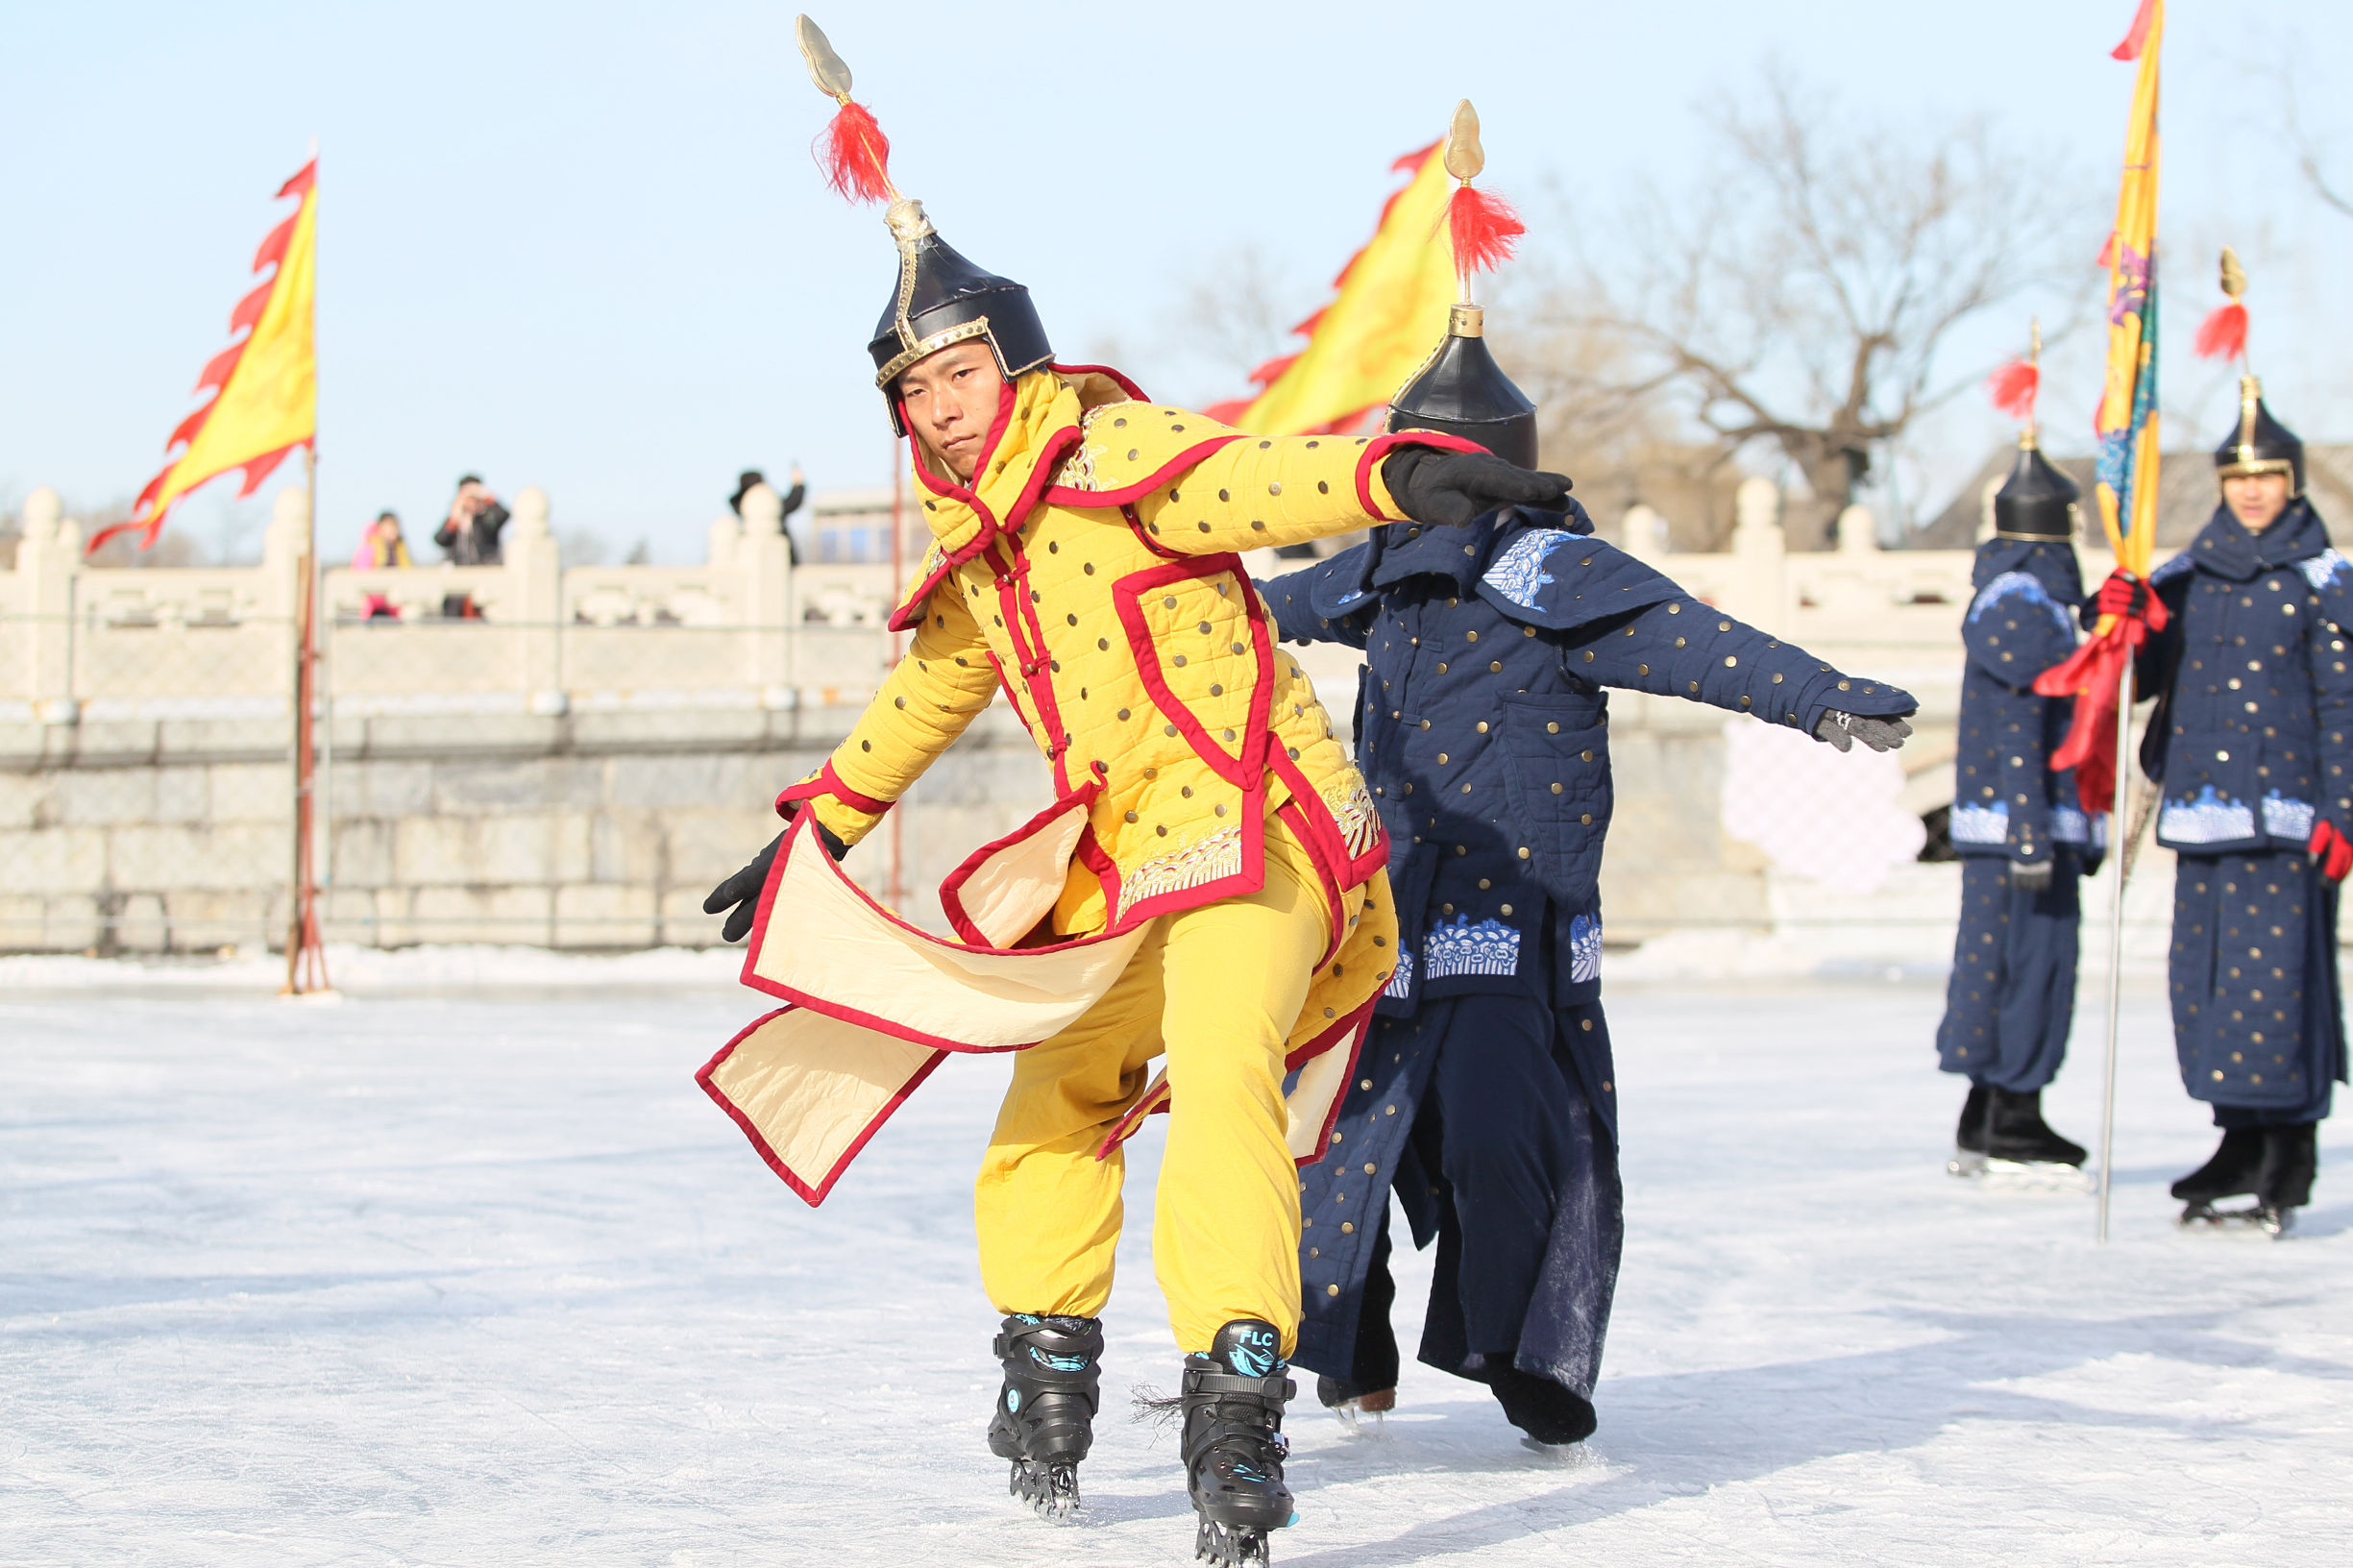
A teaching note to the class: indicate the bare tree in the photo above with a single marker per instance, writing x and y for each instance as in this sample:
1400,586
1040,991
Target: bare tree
1801,296
2308,150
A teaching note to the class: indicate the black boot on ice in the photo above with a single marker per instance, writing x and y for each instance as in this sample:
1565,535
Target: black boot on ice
1969,1139
1550,1415
2015,1131
1233,1445
2285,1161
2232,1173
1044,1420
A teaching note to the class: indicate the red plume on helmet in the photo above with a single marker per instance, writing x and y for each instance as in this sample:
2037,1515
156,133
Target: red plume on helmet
1482,229
2223,335
855,154
851,150
2016,385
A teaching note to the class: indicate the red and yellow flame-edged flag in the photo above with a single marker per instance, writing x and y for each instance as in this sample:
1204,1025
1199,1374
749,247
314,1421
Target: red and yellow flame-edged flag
1388,307
265,386
2127,427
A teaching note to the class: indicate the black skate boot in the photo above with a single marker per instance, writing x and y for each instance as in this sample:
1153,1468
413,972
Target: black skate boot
1550,1415
2291,1160
2016,1133
2231,1173
1044,1420
1969,1139
1233,1445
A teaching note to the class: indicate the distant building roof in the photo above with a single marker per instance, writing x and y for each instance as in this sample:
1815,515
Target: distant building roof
2186,494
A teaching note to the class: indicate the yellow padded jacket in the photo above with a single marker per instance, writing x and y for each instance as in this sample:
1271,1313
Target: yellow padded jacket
1090,572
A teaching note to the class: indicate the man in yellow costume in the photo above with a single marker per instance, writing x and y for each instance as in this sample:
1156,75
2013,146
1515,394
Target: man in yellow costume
1083,559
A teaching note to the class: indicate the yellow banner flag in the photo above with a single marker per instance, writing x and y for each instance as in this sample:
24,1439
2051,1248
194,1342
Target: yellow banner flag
1389,310
267,389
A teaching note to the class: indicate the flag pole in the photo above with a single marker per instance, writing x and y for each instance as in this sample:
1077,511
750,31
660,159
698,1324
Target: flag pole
306,956
2119,849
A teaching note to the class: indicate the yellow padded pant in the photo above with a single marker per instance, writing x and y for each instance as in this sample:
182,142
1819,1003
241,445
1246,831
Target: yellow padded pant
1218,988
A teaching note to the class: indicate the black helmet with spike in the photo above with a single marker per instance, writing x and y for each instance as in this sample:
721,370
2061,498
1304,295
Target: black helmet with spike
2260,444
2036,501
941,299
1460,390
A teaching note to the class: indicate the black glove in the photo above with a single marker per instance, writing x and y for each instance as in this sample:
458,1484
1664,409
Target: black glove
2032,876
1433,486
742,891
1844,729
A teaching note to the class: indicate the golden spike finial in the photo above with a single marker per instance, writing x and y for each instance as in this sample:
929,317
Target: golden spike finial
1464,156
2234,275
2034,341
825,68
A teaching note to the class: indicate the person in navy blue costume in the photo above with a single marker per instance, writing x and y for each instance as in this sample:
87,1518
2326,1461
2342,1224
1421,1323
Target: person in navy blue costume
1485,1096
2024,838
2252,743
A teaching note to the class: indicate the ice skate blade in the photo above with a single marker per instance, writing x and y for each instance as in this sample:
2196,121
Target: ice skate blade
1223,1546
1050,1488
1965,1165
2272,1222
2036,1176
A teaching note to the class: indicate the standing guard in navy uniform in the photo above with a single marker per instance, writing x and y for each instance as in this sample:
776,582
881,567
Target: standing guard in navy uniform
1486,1096
2024,841
2252,742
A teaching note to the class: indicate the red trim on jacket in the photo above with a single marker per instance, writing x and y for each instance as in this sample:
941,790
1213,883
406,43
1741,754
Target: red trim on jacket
829,782
1381,446
1245,772
1063,495
808,1193
951,891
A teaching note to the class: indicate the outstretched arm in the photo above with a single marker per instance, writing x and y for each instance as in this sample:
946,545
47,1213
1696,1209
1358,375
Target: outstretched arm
1683,648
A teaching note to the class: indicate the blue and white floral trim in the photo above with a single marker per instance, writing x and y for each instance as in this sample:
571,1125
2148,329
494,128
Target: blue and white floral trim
2069,825
1519,573
1979,824
1584,948
1489,947
2287,818
2206,819
2012,584
1401,983
2321,569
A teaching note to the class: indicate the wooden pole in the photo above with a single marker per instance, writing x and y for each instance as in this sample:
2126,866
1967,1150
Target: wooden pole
2121,848
895,895
305,953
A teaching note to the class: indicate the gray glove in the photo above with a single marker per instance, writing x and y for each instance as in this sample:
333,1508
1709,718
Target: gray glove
2032,876
1844,729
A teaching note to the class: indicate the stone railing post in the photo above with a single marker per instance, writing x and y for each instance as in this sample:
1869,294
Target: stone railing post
535,596
1760,555
1985,505
1858,533
1643,533
282,560
764,564
48,558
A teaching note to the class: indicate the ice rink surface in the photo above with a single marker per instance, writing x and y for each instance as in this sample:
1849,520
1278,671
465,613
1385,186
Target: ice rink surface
479,1277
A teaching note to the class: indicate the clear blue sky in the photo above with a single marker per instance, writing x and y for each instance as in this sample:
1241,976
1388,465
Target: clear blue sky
582,246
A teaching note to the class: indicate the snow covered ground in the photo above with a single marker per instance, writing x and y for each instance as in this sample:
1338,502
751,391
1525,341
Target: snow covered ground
467,1271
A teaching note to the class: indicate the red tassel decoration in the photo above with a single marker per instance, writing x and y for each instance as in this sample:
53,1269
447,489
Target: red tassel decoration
2014,388
1483,229
855,154
2223,335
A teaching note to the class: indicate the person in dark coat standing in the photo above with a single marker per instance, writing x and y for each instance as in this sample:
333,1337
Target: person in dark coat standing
2252,743
1485,1096
2022,838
